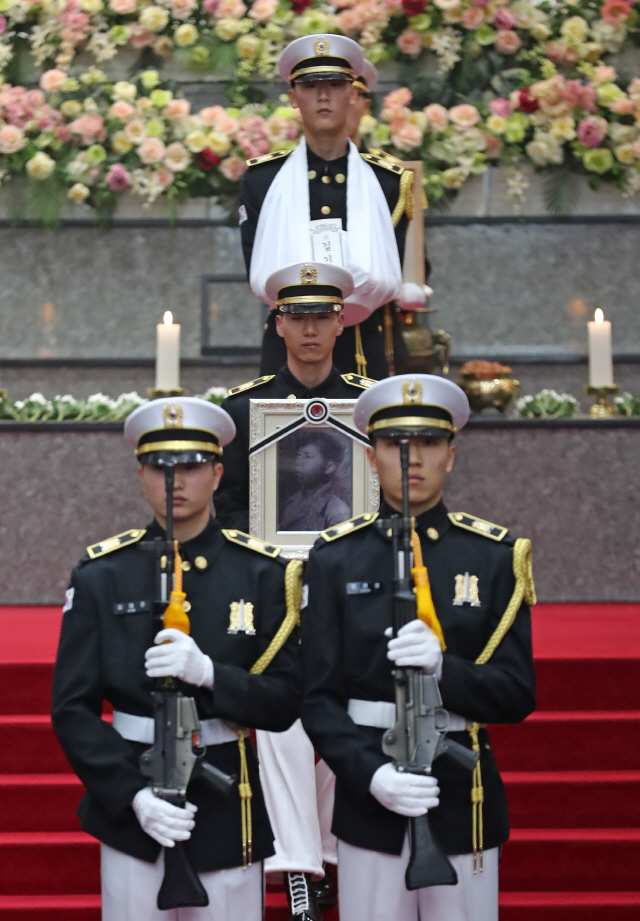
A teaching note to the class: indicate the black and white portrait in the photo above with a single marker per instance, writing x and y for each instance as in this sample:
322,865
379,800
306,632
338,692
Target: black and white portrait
314,479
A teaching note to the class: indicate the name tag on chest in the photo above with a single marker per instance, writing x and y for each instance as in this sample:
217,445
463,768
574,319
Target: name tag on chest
132,607
326,241
364,588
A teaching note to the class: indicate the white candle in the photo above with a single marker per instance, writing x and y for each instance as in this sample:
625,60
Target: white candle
600,360
168,354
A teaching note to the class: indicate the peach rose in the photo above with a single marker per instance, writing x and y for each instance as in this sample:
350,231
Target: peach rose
622,107
135,131
464,116
51,80
176,157
177,110
397,99
233,168
473,17
210,115
437,116
507,41
410,41
230,9
408,137
11,139
164,177
182,9
263,10
152,150
89,127
121,110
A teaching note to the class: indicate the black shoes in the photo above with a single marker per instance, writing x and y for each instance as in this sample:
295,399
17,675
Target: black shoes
303,905
325,890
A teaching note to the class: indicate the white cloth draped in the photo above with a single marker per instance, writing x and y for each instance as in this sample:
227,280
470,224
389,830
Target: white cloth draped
369,245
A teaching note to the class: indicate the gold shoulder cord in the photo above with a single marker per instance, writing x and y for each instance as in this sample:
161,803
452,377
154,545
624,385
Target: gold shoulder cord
361,361
524,591
405,198
293,595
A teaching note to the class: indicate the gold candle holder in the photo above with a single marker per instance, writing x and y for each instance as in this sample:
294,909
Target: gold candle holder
3,393
602,409
155,394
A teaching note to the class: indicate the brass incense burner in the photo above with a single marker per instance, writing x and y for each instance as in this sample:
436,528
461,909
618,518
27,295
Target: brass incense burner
488,385
412,348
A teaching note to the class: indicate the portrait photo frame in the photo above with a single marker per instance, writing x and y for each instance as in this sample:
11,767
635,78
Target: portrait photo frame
308,469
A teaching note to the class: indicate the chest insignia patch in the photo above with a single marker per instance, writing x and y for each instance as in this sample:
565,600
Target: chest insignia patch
241,618
364,588
466,591
68,600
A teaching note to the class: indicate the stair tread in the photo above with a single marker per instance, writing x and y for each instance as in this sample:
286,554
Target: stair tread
569,898
39,780
513,777
49,901
539,716
46,837
575,834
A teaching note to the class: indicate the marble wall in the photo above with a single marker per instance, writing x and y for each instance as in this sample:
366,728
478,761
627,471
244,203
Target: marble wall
572,488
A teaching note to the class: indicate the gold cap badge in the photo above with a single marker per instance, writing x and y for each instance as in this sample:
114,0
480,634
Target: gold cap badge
411,392
321,47
172,415
308,275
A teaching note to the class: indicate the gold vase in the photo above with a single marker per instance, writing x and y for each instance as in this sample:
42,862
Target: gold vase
485,393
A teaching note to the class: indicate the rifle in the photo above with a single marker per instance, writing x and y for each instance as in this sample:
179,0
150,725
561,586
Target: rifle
177,755
417,738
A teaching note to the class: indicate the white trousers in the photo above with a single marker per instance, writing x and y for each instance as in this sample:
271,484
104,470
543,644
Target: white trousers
130,891
299,797
371,887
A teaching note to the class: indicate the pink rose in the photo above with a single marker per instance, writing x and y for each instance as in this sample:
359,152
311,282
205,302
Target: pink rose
397,99
182,9
263,10
605,74
438,117
34,99
3,24
622,107
177,110
501,107
560,53
152,150
504,19
233,168
122,7
472,17
141,37
164,177
591,131
11,139
408,137
230,9
410,41
176,157
636,149
225,124
479,2
579,96
210,6
494,146
48,118
51,80
89,127
121,110
118,178
507,42
210,115
464,116
252,137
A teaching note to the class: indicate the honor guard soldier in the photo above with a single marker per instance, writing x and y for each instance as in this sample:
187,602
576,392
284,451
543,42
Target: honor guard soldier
357,205
309,299
183,702
468,650
365,85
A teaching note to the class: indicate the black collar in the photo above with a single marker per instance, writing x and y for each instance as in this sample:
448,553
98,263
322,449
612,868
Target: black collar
339,165
435,519
327,388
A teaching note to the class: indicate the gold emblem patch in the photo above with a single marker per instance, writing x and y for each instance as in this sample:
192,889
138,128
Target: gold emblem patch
321,47
172,415
412,392
308,275
241,618
466,591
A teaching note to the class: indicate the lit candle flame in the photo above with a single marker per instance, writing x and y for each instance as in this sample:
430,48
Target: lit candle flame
168,318
599,316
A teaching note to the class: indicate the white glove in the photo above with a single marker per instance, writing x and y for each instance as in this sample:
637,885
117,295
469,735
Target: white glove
412,296
416,645
179,658
407,794
164,822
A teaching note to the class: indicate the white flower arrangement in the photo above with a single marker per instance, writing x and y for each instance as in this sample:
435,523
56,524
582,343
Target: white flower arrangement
547,404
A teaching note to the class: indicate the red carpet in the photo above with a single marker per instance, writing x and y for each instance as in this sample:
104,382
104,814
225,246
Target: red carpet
572,773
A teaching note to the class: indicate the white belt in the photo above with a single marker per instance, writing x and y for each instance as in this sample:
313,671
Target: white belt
141,729
380,714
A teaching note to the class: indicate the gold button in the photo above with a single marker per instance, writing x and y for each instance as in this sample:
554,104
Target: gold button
186,606
458,517
432,533
326,179
326,209
340,177
292,396
200,562
312,174
186,565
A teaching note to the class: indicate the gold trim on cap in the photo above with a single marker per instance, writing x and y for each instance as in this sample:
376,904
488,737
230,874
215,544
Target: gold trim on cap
179,446
310,299
319,69
361,86
409,421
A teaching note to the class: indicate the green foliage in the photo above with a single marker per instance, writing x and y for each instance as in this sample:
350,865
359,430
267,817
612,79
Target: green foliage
627,405
547,404
561,191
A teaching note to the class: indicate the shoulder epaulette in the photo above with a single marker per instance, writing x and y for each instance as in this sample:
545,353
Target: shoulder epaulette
357,381
478,526
348,526
384,155
380,159
250,384
115,543
251,543
276,155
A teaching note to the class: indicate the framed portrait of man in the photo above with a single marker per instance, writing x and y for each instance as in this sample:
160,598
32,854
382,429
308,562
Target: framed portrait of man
308,471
